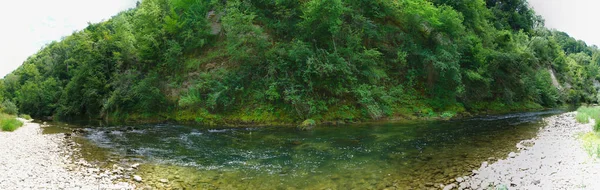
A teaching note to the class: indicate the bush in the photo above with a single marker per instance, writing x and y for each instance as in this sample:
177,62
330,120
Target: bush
582,118
584,113
25,116
9,123
448,114
591,143
9,107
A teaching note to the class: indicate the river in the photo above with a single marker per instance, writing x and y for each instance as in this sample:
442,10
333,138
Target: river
367,156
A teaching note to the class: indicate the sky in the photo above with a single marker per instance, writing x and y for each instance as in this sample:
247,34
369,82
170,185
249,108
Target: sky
28,25
578,18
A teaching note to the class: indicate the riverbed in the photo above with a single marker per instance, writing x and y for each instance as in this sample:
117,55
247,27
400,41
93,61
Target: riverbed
415,155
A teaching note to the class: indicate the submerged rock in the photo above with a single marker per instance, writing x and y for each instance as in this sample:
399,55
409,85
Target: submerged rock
137,178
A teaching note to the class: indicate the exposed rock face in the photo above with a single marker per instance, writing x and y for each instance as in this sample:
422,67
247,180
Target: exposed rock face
553,160
215,22
555,82
30,160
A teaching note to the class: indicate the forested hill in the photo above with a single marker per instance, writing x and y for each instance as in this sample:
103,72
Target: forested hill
286,61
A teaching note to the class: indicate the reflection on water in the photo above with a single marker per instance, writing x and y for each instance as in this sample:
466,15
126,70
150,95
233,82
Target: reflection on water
373,156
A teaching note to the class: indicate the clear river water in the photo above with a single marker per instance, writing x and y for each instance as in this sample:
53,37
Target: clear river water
403,155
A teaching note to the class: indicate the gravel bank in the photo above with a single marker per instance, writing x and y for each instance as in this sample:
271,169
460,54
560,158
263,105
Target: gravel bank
30,160
555,159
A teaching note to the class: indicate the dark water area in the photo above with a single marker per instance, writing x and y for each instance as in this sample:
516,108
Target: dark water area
367,156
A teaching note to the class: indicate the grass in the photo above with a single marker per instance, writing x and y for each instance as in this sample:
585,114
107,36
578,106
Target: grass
9,122
585,113
591,143
582,118
591,140
25,116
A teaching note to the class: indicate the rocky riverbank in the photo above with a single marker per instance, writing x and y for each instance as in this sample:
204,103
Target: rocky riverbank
30,160
555,159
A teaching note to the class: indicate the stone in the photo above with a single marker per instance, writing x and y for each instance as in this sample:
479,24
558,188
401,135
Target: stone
459,179
474,186
137,178
484,165
136,165
48,161
512,155
450,187
164,180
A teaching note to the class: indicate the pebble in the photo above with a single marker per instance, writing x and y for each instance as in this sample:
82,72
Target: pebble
44,162
450,187
555,159
137,178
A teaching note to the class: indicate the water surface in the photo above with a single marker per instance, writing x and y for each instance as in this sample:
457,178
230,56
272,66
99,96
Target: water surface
369,156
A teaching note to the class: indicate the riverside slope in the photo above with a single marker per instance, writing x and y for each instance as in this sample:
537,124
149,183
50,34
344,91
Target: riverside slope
30,160
555,159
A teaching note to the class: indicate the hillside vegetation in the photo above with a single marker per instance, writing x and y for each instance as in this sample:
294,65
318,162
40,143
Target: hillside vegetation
285,61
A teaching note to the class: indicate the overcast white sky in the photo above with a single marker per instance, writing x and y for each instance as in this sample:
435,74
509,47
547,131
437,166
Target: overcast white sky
27,25
578,18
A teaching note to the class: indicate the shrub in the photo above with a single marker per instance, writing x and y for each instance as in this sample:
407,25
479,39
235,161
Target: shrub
9,107
448,114
25,116
307,124
9,123
582,118
591,143
584,113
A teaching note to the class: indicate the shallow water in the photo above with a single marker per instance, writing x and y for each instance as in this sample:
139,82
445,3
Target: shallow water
369,156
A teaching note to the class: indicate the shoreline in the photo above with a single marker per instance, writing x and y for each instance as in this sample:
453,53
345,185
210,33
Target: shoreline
243,124
554,159
32,160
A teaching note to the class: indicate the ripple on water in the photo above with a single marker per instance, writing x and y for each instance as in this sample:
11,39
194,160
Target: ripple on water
352,157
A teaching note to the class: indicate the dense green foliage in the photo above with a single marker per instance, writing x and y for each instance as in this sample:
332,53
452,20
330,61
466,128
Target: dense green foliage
9,107
286,61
